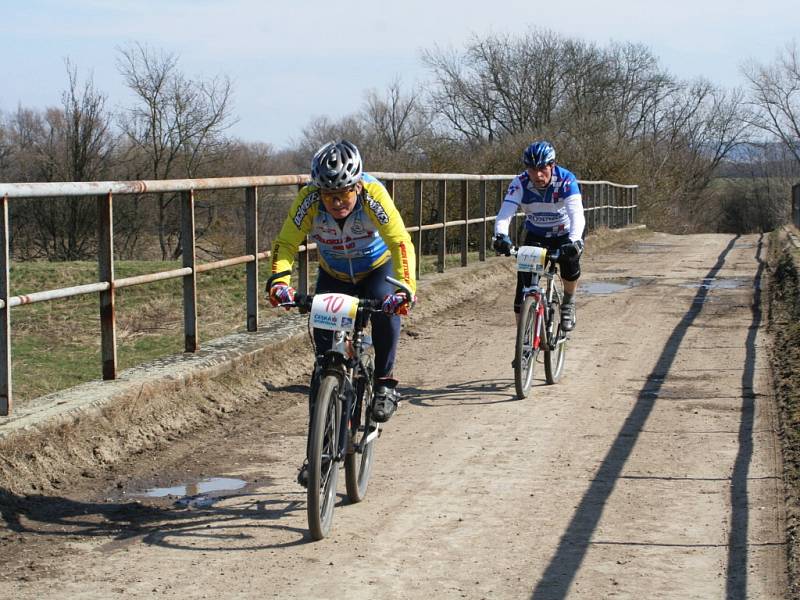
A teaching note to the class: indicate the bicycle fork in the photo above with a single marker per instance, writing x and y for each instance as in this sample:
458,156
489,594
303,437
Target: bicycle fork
367,429
347,398
351,413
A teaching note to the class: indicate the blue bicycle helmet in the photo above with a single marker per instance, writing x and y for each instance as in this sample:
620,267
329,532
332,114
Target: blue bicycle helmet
539,154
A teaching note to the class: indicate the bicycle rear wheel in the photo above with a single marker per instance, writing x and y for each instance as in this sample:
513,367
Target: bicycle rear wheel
525,354
323,470
364,432
555,352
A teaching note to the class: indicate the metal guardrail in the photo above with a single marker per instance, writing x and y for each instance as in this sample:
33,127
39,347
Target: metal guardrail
605,204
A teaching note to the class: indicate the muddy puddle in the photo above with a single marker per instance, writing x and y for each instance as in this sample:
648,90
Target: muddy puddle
721,283
610,286
198,494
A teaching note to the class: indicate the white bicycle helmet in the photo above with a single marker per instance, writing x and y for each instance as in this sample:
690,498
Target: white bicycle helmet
336,166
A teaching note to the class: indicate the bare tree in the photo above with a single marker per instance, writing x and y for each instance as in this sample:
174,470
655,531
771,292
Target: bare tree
395,119
177,127
688,135
69,143
463,99
775,97
6,148
323,129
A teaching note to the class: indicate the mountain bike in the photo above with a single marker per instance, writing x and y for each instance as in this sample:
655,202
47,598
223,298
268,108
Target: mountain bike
342,429
539,325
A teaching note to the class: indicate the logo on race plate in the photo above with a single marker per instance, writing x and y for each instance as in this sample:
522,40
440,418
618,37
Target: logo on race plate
321,319
347,322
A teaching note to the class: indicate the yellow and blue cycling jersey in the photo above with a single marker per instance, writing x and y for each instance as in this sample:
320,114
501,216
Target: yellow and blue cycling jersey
369,237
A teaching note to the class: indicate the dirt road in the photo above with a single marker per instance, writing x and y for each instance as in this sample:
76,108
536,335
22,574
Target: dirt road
651,471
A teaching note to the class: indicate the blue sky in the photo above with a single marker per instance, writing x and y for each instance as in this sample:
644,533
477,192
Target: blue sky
291,61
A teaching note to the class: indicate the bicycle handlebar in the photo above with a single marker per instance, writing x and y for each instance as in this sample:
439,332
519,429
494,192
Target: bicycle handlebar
551,254
303,301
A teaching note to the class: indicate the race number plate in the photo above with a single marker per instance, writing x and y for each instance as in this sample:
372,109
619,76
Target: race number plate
530,259
336,312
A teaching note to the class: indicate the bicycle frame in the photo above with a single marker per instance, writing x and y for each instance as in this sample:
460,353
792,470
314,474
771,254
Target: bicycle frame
344,361
542,289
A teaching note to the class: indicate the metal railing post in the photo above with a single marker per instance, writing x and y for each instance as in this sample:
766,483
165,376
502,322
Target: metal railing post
629,211
105,264
633,205
623,204
623,216
612,223
6,403
796,204
251,247
390,189
586,196
482,209
465,226
498,201
418,222
443,231
190,280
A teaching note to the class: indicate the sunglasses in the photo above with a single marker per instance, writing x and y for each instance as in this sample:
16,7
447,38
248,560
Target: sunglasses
340,192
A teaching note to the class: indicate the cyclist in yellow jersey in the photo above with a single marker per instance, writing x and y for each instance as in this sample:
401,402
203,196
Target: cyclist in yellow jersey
361,238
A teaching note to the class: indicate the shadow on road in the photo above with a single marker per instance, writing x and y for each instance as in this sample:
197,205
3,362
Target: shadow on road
465,392
736,581
215,528
572,548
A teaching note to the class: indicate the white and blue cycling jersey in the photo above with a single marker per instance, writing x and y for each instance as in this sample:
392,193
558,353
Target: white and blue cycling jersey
553,211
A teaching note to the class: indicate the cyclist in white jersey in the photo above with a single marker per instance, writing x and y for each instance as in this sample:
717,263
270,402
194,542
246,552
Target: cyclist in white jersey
550,198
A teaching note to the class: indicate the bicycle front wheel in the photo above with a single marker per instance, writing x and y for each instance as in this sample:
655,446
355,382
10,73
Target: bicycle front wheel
323,470
363,433
525,354
555,352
